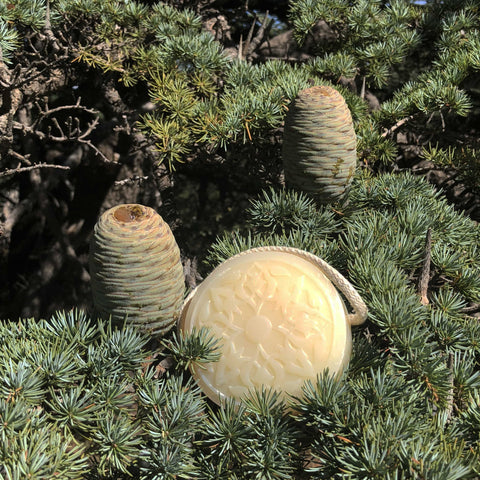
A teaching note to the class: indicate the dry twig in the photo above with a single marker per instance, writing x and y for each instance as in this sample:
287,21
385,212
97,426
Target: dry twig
13,171
133,179
401,122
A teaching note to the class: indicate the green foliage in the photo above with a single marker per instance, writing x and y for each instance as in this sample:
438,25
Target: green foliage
254,439
74,400
201,95
25,12
83,422
378,421
192,108
194,348
205,99
85,400
282,212
285,218
80,399
8,41
373,36
465,161
376,43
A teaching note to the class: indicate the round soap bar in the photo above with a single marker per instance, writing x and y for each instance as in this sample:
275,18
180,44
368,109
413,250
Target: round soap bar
280,322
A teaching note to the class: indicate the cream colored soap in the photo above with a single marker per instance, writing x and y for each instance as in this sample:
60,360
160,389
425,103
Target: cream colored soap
280,320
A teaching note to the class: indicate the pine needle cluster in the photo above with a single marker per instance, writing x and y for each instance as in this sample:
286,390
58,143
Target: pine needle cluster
80,399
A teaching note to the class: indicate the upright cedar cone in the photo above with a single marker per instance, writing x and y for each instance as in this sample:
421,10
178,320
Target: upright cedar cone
135,268
319,144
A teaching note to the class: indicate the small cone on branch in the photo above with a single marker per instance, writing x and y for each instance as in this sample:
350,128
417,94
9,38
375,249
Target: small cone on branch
319,144
135,267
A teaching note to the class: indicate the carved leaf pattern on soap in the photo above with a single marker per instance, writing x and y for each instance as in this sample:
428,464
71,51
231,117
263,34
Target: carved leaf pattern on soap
276,329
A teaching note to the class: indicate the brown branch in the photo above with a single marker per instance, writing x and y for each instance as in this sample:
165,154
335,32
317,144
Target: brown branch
133,179
46,111
32,73
13,171
76,106
65,138
249,36
11,98
401,122
240,48
90,127
191,274
163,366
59,128
425,272
471,308
255,42
98,152
48,29
48,24
362,91
22,158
